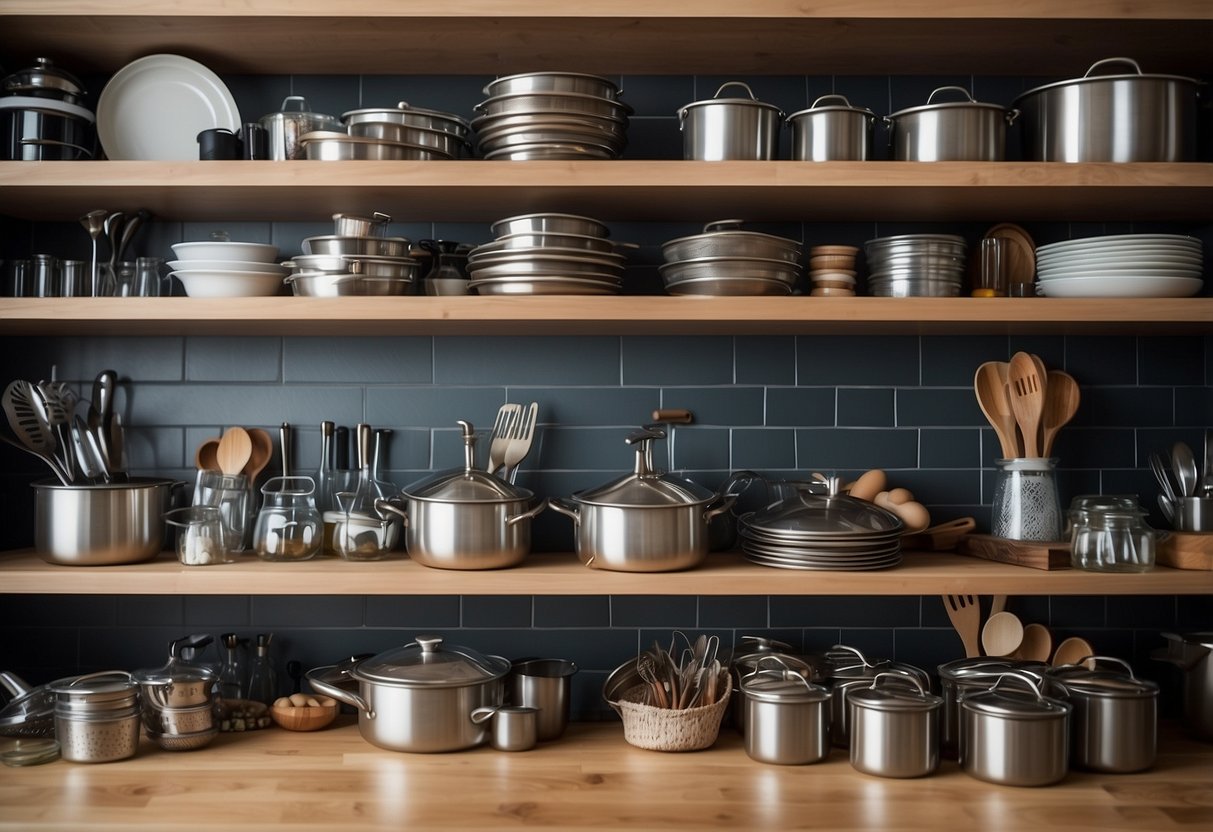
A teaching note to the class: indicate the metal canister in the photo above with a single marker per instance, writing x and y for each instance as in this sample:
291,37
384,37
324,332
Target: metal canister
752,650
717,129
894,727
1115,720
787,717
97,717
284,129
1014,736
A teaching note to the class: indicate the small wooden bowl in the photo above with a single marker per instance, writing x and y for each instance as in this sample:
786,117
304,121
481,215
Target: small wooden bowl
825,251
831,261
304,718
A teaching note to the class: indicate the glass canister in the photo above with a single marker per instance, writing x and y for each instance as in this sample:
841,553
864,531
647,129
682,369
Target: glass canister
1026,503
288,526
200,538
1110,534
232,496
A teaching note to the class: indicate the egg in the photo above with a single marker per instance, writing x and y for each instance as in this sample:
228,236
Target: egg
869,484
900,495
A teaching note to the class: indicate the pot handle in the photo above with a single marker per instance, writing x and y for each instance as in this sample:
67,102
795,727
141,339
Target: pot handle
741,84
561,505
528,514
298,101
721,225
1028,680
388,505
83,151
830,97
1011,115
968,96
1105,61
725,504
1113,659
900,675
329,689
483,714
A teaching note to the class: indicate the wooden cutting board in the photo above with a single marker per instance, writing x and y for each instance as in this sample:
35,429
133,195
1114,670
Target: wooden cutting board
1054,555
1186,551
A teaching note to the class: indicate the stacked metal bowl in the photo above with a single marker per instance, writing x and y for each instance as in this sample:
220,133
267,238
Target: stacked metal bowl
356,260
725,260
547,254
397,133
915,265
551,115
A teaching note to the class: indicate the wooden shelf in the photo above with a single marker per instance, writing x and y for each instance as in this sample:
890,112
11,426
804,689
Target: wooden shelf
621,315
920,573
616,36
478,190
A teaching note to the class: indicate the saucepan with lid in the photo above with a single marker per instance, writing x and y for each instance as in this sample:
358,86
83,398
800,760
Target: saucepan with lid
950,131
894,726
1115,719
1014,735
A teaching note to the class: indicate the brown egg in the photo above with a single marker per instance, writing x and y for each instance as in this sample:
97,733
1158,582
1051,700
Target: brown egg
914,515
869,485
900,495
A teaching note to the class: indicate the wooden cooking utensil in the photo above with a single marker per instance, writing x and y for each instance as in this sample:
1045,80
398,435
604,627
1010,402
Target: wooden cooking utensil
235,448
1037,644
1027,401
263,449
941,537
1002,635
965,614
206,456
1072,651
998,603
990,385
1061,403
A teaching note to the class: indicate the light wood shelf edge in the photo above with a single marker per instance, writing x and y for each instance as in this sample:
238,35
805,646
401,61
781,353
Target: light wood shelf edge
727,573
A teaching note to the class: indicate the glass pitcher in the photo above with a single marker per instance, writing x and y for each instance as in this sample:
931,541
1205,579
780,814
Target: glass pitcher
288,525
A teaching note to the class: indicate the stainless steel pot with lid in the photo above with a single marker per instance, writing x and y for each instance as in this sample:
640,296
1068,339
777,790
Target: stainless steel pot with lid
894,726
406,115
466,518
97,717
973,673
1115,718
1193,654
178,683
419,697
645,521
717,129
1014,736
851,669
44,80
285,129
832,130
787,716
952,131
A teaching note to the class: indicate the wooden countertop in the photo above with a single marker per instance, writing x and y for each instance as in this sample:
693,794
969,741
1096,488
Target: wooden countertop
590,778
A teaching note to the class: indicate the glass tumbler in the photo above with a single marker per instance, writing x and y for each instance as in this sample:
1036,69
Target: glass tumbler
232,495
201,539
288,525
1026,503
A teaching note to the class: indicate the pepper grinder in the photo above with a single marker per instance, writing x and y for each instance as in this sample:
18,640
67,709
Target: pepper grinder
263,680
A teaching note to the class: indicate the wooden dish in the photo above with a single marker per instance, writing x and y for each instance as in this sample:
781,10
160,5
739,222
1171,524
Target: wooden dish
306,718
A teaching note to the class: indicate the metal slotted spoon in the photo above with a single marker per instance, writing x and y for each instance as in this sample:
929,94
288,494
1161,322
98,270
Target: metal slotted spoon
21,406
520,441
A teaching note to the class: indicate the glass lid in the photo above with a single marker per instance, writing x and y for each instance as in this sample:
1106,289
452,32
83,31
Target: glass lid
427,662
177,669
467,484
44,77
646,487
803,515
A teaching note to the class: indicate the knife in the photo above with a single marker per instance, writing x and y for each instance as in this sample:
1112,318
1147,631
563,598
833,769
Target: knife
1206,482
84,458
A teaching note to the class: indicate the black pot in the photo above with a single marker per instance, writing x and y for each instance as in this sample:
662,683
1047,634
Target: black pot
44,130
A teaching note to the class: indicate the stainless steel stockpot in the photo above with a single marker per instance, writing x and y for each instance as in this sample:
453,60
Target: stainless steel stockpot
1115,717
1014,736
894,726
1129,117
100,525
832,130
972,674
466,518
419,697
97,717
1193,654
546,82
787,717
718,129
285,129
850,669
954,131
646,521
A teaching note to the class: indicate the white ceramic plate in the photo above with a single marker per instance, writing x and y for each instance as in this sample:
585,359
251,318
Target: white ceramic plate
1120,287
1122,241
1055,274
204,284
1144,260
155,107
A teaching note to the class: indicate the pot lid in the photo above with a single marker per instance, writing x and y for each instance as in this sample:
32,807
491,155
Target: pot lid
805,516
29,708
296,107
1103,681
43,79
395,115
1023,701
968,103
110,689
783,686
730,230
1088,78
985,667
895,691
646,487
842,106
467,484
177,670
429,663
751,101
847,663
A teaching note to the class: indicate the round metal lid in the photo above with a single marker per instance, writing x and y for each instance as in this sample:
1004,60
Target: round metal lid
1137,75
645,487
43,79
108,690
969,103
742,102
844,107
1103,681
177,670
805,516
401,111
1021,702
730,230
429,663
985,667
895,692
782,686
467,484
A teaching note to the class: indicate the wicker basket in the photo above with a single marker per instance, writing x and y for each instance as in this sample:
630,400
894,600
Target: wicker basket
667,729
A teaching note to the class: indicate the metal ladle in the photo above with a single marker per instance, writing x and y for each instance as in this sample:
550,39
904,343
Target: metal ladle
94,224
1183,462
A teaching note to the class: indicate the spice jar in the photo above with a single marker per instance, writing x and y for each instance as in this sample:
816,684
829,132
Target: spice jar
1110,534
97,717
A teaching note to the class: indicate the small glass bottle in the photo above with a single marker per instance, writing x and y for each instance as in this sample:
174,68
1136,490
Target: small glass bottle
1026,505
324,474
263,678
232,678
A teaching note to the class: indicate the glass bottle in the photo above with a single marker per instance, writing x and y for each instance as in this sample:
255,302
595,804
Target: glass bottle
362,533
324,474
232,678
263,678
1026,505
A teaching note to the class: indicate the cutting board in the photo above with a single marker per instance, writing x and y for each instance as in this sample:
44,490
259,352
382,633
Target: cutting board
1055,555
1186,551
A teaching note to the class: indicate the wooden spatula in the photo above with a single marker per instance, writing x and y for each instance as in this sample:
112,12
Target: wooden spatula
966,619
1027,400
1061,403
990,385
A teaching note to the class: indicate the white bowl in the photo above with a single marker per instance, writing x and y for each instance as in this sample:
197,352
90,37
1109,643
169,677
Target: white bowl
227,251
242,266
200,283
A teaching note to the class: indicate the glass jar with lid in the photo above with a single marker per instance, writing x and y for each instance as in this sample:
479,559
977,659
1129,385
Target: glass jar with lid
1109,533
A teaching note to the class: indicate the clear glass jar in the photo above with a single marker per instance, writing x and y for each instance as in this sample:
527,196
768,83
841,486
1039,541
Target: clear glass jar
1026,503
202,538
288,525
1110,534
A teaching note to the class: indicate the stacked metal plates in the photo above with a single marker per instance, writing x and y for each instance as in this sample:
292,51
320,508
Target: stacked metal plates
726,260
916,265
546,254
822,533
1121,266
551,115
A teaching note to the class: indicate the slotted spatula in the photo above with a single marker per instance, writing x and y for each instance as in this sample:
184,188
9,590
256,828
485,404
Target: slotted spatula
1027,393
965,614
21,406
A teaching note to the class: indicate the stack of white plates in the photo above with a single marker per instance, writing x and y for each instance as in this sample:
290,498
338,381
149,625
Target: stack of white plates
1121,266
547,254
227,269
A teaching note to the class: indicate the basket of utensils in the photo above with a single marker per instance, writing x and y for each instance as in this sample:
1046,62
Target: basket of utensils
671,700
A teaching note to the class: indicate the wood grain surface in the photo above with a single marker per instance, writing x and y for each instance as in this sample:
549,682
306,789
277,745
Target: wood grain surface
590,778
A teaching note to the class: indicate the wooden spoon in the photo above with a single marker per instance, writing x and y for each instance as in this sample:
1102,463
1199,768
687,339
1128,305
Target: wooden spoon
206,456
1027,400
1061,403
1073,650
235,448
1037,644
990,385
1002,635
263,449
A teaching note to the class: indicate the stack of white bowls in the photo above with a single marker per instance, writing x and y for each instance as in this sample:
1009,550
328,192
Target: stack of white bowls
222,268
552,115
1121,266
915,265
547,254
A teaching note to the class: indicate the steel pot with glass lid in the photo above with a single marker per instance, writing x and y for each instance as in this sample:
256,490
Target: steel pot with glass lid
419,697
466,518
646,521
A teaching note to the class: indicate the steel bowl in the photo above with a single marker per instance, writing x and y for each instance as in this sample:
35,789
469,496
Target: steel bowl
332,147
402,113
334,244
563,82
324,285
